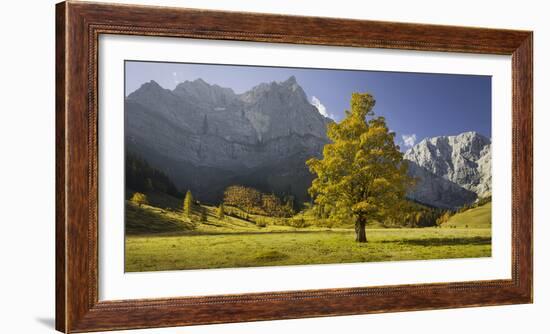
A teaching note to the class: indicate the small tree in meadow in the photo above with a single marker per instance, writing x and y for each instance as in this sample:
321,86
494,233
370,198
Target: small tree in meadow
139,199
443,218
221,212
188,204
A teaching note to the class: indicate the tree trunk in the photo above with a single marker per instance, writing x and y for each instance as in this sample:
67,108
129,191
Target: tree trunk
360,234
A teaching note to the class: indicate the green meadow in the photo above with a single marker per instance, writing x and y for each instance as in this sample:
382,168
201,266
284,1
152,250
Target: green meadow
479,217
161,237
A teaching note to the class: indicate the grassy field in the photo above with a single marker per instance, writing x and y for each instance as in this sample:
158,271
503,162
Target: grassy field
163,239
479,217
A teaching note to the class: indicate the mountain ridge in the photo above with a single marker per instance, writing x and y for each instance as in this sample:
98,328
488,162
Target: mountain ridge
207,127
207,137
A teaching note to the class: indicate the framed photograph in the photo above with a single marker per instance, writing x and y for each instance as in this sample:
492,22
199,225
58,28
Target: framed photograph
224,167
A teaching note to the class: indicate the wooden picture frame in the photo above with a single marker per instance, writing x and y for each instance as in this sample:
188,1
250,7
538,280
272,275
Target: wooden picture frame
78,26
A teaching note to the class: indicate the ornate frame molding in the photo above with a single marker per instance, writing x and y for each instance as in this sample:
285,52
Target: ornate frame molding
78,27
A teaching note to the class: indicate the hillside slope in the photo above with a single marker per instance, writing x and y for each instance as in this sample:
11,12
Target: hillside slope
164,215
479,217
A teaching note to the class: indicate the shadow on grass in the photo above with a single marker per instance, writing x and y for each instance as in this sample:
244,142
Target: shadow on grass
272,255
139,221
444,241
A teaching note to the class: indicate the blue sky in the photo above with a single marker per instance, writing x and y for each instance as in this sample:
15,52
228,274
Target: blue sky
416,105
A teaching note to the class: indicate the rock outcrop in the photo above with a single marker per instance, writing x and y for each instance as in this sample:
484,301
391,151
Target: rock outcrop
451,170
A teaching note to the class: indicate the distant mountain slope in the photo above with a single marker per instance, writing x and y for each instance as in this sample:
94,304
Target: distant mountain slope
478,217
452,170
206,137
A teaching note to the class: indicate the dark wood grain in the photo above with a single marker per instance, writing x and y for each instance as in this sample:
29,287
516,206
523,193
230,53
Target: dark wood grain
73,167
522,166
78,27
60,180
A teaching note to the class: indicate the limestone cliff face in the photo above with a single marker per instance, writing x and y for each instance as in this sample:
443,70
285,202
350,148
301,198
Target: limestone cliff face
207,137
452,170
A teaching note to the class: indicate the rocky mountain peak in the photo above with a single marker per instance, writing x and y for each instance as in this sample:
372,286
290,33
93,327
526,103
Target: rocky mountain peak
288,89
278,109
149,87
203,93
199,132
292,85
291,80
469,146
464,160
152,95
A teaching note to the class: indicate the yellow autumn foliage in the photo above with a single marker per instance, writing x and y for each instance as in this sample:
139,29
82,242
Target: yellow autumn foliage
362,175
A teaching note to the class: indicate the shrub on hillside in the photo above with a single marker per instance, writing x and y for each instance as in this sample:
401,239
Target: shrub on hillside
221,212
298,222
255,202
139,199
188,204
444,218
260,222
